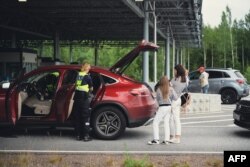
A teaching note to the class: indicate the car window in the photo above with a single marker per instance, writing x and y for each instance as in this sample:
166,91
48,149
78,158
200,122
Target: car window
69,77
215,74
226,75
238,74
43,77
96,81
43,84
108,80
194,75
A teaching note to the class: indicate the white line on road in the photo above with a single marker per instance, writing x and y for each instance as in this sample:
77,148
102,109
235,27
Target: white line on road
232,125
225,126
213,116
199,122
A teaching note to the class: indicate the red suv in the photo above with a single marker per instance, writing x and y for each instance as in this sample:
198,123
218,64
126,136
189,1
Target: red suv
45,97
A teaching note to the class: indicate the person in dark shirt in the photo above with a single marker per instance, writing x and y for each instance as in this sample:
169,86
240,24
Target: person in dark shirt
81,103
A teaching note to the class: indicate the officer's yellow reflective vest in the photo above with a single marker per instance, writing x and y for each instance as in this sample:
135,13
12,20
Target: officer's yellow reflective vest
55,73
79,85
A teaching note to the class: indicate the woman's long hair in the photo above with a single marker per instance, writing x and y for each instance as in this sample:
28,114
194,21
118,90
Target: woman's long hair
164,87
180,72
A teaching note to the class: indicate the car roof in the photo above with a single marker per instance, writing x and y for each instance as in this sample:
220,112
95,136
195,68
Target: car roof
97,69
73,67
217,69
222,69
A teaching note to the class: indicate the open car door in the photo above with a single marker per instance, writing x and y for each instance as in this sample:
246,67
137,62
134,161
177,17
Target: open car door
64,96
13,100
98,89
64,102
12,105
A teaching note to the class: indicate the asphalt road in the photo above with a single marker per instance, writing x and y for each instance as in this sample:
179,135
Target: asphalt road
201,133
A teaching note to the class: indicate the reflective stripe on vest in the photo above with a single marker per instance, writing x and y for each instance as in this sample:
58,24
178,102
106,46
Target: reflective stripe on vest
79,85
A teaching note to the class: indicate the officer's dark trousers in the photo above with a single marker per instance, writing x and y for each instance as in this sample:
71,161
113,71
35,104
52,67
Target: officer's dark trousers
81,113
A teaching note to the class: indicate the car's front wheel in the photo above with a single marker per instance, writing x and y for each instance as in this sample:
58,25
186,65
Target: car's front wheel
108,123
228,96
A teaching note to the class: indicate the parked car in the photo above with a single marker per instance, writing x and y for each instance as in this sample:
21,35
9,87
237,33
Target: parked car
241,114
230,83
45,97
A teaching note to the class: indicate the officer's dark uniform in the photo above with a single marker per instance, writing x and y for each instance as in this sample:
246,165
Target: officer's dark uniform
81,106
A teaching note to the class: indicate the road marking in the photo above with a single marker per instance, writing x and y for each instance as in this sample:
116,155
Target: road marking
228,107
199,122
232,125
225,126
213,116
110,152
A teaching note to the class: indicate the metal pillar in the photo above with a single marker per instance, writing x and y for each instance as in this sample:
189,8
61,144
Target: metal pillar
168,54
167,57
184,57
173,58
181,56
70,52
41,49
177,56
56,47
155,41
145,66
96,54
13,40
188,59
204,50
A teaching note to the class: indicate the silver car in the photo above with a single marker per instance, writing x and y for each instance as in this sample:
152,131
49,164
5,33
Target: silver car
230,83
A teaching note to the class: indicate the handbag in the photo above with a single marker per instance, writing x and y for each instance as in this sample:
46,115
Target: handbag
185,98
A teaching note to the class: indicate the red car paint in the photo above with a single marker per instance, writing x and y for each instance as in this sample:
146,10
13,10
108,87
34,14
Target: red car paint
118,101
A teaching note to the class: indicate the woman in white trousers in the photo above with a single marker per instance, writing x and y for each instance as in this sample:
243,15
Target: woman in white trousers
175,121
164,95
179,84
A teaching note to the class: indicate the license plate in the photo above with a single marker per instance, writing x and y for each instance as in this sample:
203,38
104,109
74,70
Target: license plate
236,117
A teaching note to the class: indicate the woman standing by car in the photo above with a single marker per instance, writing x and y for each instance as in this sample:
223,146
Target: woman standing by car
179,84
81,103
164,95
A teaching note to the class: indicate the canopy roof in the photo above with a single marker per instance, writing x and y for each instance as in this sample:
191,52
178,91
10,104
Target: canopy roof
115,20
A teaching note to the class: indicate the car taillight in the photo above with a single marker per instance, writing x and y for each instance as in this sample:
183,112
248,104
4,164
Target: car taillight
240,81
137,92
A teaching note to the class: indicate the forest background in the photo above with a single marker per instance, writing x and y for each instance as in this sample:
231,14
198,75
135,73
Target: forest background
224,46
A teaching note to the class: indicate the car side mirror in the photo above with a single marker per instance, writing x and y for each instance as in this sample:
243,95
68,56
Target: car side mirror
6,85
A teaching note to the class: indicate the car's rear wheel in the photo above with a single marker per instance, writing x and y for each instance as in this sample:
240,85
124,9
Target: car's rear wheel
108,123
228,96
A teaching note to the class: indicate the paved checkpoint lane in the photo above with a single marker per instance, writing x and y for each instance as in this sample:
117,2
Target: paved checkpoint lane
201,133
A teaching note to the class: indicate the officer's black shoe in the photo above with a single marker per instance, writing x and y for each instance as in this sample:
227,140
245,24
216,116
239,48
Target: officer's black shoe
87,138
78,138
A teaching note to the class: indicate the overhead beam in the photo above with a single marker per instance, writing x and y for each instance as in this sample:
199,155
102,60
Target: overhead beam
166,0
134,8
24,31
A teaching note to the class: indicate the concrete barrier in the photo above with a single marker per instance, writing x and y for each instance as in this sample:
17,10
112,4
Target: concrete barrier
204,103
201,103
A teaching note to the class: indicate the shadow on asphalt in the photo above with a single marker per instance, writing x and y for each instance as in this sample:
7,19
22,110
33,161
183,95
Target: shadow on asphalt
14,133
7,134
242,133
134,134
62,132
